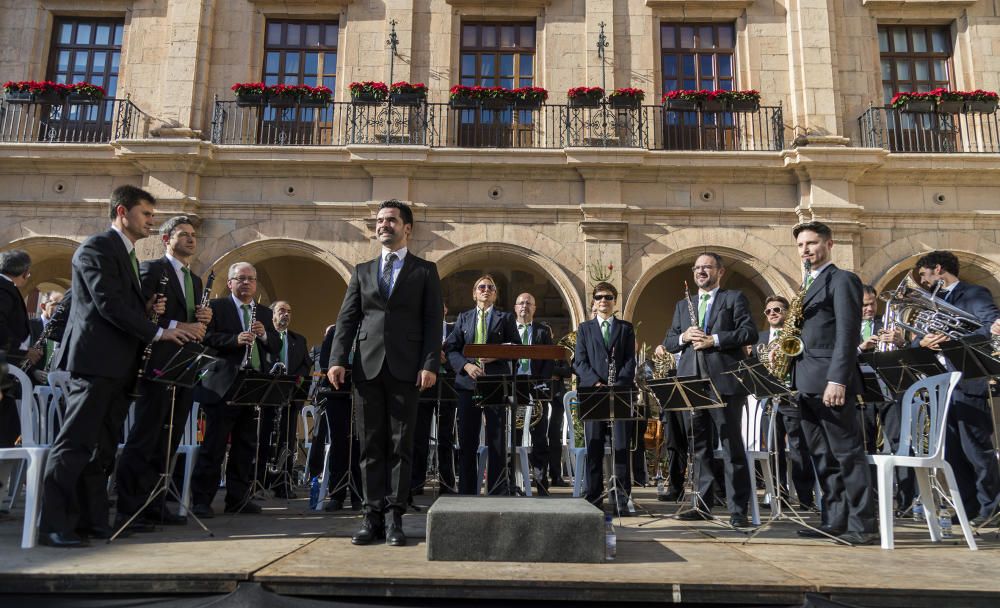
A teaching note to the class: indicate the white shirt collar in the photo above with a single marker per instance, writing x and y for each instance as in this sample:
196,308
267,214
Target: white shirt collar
601,319
129,245
815,271
239,305
400,253
488,311
177,264
523,325
710,293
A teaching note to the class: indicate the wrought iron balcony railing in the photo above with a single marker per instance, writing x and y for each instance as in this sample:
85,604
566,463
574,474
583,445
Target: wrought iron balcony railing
550,126
898,131
100,122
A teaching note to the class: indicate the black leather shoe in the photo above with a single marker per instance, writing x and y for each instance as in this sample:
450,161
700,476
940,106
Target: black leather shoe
285,492
695,515
541,487
371,530
559,482
203,511
859,538
356,504
333,505
824,532
740,521
99,532
139,525
247,508
394,536
164,517
62,540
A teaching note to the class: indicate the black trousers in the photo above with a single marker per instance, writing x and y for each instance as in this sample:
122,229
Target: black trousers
10,420
727,424
554,431
470,425
676,444
834,441
334,425
143,457
385,415
969,451
239,425
446,411
640,474
596,433
889,413
83,454
797,452
277,443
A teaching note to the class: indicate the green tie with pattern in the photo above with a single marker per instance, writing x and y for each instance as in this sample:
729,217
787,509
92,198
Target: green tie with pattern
135,263
809,282
606,330
284,349
702,307
254,355
481,327
188,293
525,365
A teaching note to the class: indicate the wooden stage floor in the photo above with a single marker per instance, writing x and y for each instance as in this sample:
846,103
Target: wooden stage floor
292,551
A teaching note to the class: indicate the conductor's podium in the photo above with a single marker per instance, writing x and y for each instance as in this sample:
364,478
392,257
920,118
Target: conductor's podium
501,529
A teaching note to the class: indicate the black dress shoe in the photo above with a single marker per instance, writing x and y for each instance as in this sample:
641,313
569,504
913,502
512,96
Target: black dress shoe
541,488
203,511
740,521
371,530
62,540
695,515
669,496
559,482
356,504
859,538
285,492
139,525
99,532
394,536
333,505
247,508
823,532
164,517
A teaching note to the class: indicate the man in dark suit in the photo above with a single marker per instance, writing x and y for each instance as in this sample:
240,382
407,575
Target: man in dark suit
243,336
293,353
827,378
48,304
539,371
109,324
788,424
445,408
392,316
710,349
599,341
969,438
142,459
334,425
483,324
15,268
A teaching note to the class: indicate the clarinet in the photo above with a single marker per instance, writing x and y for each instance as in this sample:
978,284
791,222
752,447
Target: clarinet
207,293
47,333
161,289
249,351
693,314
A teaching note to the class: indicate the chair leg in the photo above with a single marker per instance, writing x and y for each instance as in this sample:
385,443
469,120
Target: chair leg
12,473
769,485
481,458
324,484
32,501
579,476
189,461
956,498
927,499
884,473
522,470
754,507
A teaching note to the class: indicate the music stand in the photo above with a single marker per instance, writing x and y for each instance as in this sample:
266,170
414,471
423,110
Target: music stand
901,368
609,404
346,481
445,392
280,475
257,389
184,369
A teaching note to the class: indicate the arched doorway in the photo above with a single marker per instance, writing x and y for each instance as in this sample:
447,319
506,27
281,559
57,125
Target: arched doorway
651,304
514,274
51,266
308,278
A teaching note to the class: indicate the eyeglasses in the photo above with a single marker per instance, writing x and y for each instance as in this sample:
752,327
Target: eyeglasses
486,287
776,310
607,297
705,268
525,303
244,279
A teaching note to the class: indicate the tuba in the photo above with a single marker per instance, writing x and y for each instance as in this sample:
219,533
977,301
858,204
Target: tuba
916,310
568,342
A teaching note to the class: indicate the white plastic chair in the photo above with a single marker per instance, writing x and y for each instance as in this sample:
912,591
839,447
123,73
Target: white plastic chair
574,456
310,419
190,447
926,401
522,467
31,452
753,415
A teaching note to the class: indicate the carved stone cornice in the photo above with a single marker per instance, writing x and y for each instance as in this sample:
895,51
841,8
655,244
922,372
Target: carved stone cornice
604,231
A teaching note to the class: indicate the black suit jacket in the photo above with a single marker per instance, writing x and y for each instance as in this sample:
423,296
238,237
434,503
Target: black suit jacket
500,329
107,322
592,357
151,272
299,363
541,334
977,301
35,328
830,331
403,332
324,362
13,317
729,319
221,335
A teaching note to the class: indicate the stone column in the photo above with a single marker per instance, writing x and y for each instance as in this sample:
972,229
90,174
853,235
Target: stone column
185,66
812,66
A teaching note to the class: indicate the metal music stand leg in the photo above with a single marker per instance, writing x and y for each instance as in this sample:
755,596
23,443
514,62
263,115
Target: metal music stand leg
255,483
996,450
506,478
282,475
347,479
165,483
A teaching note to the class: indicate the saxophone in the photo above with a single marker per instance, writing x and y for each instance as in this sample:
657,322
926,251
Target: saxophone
778,354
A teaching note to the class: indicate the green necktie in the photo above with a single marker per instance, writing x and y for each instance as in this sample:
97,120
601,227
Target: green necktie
525,363
702,307
809,281
135,263
481,327
254,355
606,330
284,349
188,293
50,349
866,330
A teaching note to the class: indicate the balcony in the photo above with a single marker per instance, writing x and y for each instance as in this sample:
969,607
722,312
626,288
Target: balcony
438,125
898,131
101,122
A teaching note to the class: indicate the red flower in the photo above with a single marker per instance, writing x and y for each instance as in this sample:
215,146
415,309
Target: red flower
585,92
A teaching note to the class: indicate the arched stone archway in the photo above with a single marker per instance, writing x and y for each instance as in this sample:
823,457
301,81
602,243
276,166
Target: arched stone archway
973,268
651,302
516,270
310,279
51,265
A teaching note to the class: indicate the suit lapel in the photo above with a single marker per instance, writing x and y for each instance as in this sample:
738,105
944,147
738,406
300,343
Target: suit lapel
818,283
124,260
713,312
173,281
403,273
616,332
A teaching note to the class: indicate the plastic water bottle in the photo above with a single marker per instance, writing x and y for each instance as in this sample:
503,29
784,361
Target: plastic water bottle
918,510
313,493
610,540
944,521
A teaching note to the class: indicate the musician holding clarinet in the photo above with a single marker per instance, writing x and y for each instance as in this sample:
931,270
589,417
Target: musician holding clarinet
141,461
108,327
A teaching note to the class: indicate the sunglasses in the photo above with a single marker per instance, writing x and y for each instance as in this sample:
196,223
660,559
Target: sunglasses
485,287
775,310
604,296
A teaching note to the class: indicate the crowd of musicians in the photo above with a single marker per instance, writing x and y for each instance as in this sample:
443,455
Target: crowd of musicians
394,372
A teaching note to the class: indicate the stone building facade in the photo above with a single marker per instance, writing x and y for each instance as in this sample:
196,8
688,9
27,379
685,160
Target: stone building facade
563,196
